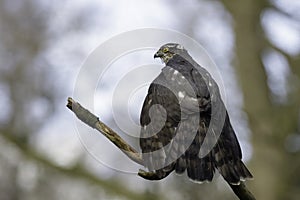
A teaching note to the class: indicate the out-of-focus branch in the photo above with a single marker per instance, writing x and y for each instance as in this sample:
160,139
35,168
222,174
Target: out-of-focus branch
293,61
112,187
295,18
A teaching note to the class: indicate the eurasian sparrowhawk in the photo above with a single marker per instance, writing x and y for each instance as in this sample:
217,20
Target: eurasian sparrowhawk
183,113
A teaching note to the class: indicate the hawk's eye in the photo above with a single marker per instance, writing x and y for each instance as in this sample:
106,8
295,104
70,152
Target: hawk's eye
165,50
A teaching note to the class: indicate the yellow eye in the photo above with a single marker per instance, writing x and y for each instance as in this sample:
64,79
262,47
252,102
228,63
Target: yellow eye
166,49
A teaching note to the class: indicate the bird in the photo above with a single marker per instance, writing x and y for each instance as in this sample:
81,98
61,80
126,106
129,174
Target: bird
185,126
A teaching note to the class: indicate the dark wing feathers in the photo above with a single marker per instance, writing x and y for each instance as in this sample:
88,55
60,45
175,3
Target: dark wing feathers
165,90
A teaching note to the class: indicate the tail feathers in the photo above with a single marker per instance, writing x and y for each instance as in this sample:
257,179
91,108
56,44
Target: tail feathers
200,169
234,172
244,172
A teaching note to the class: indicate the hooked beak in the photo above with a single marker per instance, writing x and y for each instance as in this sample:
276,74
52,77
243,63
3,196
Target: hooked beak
158,54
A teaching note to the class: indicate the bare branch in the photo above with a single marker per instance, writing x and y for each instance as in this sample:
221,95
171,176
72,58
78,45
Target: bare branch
90,119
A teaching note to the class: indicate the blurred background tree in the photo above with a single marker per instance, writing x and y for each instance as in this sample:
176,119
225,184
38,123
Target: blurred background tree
255,43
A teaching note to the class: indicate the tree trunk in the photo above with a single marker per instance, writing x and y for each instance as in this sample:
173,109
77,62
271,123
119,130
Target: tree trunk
270,124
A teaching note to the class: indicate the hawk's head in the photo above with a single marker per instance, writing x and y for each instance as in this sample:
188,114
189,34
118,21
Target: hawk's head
167,51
